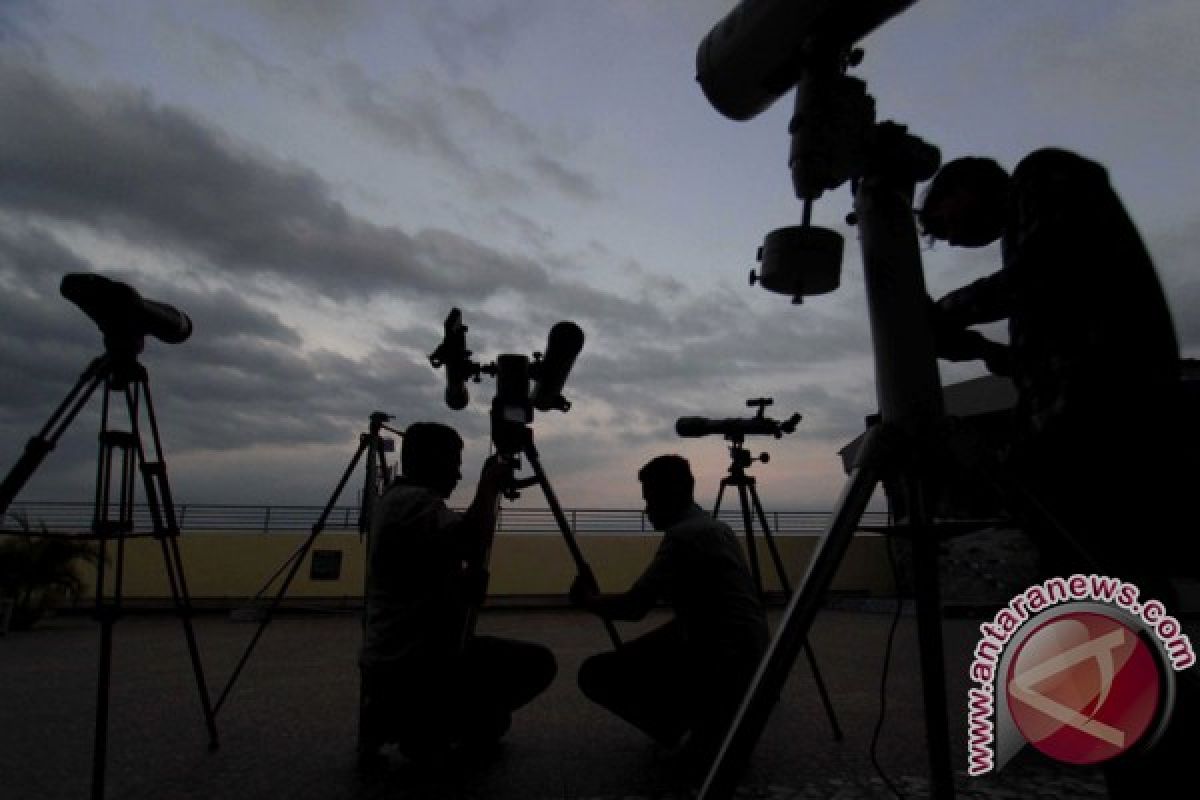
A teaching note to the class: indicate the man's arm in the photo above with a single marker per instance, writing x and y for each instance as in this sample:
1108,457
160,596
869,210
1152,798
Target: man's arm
629,606
634,604
986,300
478,525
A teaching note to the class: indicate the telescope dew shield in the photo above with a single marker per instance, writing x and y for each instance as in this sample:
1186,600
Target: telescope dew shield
800,260
453,354
562,348
757,51
121,313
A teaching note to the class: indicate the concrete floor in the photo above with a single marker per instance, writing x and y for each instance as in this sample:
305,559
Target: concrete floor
287,729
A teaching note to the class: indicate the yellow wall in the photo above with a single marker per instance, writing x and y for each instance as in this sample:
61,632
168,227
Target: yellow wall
233,566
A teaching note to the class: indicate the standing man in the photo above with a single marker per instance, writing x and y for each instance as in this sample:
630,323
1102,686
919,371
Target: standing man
1093,353
682,682
430,686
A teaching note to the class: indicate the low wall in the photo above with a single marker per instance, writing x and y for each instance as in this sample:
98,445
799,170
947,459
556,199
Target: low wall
223,568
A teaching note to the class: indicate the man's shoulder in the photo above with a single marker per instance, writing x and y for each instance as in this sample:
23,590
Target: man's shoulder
406,499
698,523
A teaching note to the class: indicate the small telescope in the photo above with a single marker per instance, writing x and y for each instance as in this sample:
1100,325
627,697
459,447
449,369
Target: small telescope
737,428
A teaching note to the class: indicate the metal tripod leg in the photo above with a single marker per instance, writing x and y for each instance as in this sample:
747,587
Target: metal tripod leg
822,691
581,565
295,560
161,503
132,382
747,493
792,632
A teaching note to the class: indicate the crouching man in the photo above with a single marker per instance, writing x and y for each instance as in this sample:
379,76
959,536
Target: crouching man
682,682
431,686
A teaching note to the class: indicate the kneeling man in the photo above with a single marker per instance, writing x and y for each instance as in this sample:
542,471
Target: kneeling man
681,683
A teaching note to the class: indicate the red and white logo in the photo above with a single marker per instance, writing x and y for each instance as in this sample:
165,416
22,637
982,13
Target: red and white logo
1084,687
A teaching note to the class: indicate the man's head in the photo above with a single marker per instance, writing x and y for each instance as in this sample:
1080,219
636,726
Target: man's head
667,486
966,203
431,456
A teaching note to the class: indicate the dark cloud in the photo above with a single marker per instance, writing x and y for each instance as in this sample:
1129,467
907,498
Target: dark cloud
240,383
115,161
17,17
447,121
248,233
464,34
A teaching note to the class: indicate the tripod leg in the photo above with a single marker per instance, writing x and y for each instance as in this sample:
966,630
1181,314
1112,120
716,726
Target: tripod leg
581,564
38,446
822,691
166,529
780,572
793,630
107,613
929,639
720,494
751,549
297,559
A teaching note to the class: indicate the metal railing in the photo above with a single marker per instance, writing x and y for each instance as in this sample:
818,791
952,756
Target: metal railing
77,516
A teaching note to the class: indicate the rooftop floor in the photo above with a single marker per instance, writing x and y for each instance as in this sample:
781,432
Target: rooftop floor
287,729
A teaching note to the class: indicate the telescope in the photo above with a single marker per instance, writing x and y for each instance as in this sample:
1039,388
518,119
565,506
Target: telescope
121,313
755,54
762,48
522,383
735,428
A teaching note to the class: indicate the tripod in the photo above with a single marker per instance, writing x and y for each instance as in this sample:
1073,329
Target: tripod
372,444
529,450
908,446
740,459
125,453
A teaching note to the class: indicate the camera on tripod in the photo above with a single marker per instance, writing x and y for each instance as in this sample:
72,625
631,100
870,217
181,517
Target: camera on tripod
523,384
738,428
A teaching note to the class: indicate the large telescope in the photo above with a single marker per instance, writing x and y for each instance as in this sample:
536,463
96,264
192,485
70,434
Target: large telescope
121,313
761,48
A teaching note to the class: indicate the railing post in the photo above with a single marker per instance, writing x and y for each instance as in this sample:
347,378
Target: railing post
267,520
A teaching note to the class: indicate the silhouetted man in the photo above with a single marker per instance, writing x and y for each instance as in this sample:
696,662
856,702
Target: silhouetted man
1093,353
430,687
1092,350
682,682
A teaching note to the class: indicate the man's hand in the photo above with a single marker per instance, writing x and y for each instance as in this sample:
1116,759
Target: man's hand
495,475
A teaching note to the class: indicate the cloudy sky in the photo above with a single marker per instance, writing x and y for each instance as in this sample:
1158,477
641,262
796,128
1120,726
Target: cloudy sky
316,184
